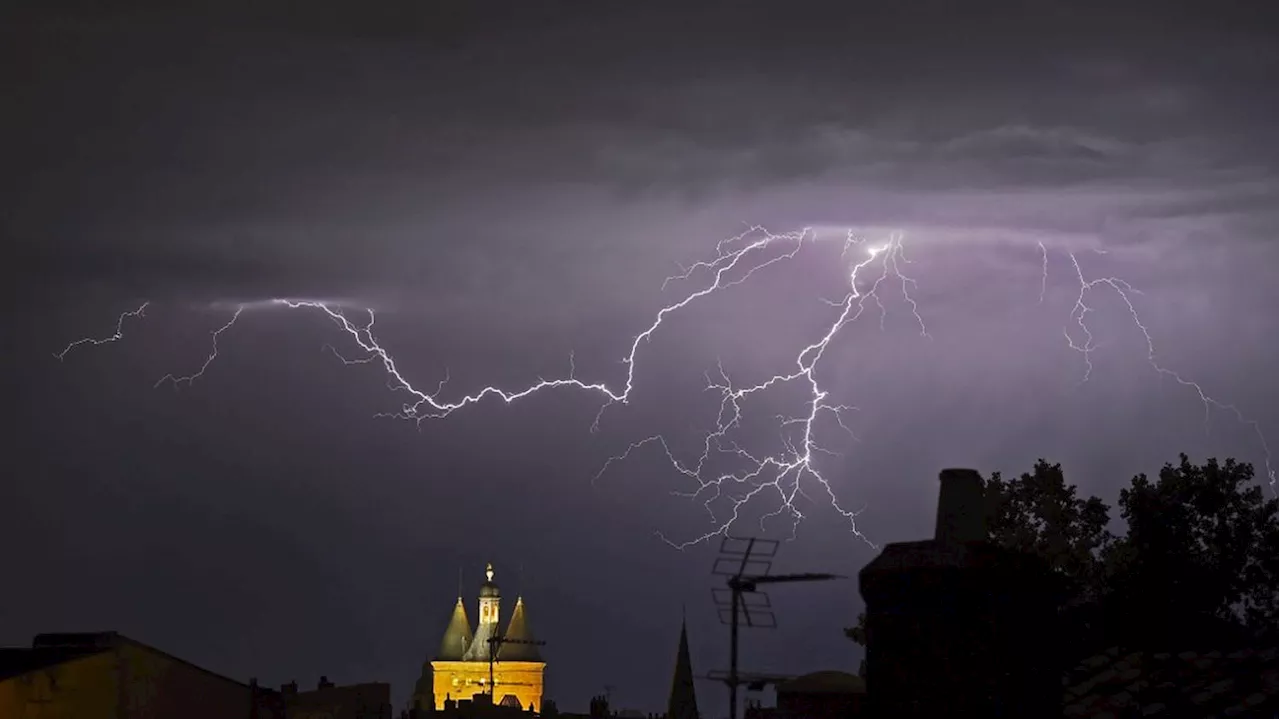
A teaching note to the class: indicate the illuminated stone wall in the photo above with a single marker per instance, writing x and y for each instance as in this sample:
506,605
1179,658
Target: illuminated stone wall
129,681
462,680
81,688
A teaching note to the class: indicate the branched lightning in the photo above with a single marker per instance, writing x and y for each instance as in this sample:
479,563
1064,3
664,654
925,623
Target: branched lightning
782,474
119,333
737,260
1085,346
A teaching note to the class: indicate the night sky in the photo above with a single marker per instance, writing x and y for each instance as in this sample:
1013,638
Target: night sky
508,186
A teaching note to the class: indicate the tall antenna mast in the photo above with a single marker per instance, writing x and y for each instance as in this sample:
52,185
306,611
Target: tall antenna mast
745,562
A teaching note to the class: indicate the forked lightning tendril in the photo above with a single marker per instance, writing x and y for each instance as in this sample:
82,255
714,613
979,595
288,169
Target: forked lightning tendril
119,333
782,473
1085,346
213,355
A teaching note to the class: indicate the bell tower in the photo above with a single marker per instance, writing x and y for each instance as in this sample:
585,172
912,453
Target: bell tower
487,628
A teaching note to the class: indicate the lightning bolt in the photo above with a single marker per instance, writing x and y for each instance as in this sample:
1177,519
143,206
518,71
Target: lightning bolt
1085,345
119,333
1044,270
213,355
782,474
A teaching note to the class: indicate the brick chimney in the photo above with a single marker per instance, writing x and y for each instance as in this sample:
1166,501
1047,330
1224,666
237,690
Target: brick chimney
962,514
957,627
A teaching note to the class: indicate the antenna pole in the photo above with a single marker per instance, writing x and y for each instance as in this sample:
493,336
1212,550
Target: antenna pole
495,642
735,588
733,656
748,569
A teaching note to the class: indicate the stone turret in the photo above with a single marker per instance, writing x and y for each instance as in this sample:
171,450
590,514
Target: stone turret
457,636
513,650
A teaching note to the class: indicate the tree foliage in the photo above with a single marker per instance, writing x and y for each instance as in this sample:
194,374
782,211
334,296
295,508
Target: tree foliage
1201,543
1039,513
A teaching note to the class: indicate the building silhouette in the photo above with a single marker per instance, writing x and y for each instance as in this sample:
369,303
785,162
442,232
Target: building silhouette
103,674
469,660
957,626
370,700
816,695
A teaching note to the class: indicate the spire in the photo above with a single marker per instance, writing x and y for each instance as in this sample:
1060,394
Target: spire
683,703
457,637
518,630
488,572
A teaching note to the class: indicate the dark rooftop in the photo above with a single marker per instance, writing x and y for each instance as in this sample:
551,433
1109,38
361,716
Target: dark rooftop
1188,684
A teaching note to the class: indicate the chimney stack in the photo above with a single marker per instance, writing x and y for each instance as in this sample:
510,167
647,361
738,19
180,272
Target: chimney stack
958,627
961,507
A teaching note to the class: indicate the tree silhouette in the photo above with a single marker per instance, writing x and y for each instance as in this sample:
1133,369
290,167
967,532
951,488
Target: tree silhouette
1039,513
1200,553
1197,564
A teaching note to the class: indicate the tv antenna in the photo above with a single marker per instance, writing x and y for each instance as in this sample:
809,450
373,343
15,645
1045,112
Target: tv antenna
745,563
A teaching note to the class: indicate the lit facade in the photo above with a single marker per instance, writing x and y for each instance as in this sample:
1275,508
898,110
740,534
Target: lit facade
461,668
109,676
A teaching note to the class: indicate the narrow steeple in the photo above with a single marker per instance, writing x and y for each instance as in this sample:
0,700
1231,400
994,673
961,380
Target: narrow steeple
457,637
518,630
683,702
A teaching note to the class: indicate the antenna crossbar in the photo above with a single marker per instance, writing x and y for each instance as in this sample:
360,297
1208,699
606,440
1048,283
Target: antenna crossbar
495,643
745,562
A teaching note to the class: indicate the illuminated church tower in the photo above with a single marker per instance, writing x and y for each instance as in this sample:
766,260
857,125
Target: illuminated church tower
461,668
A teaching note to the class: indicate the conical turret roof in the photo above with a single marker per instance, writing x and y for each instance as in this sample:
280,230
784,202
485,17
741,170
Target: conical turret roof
518,630
457,637
683,702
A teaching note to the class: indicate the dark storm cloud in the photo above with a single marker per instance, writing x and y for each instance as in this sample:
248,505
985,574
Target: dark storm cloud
291,136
